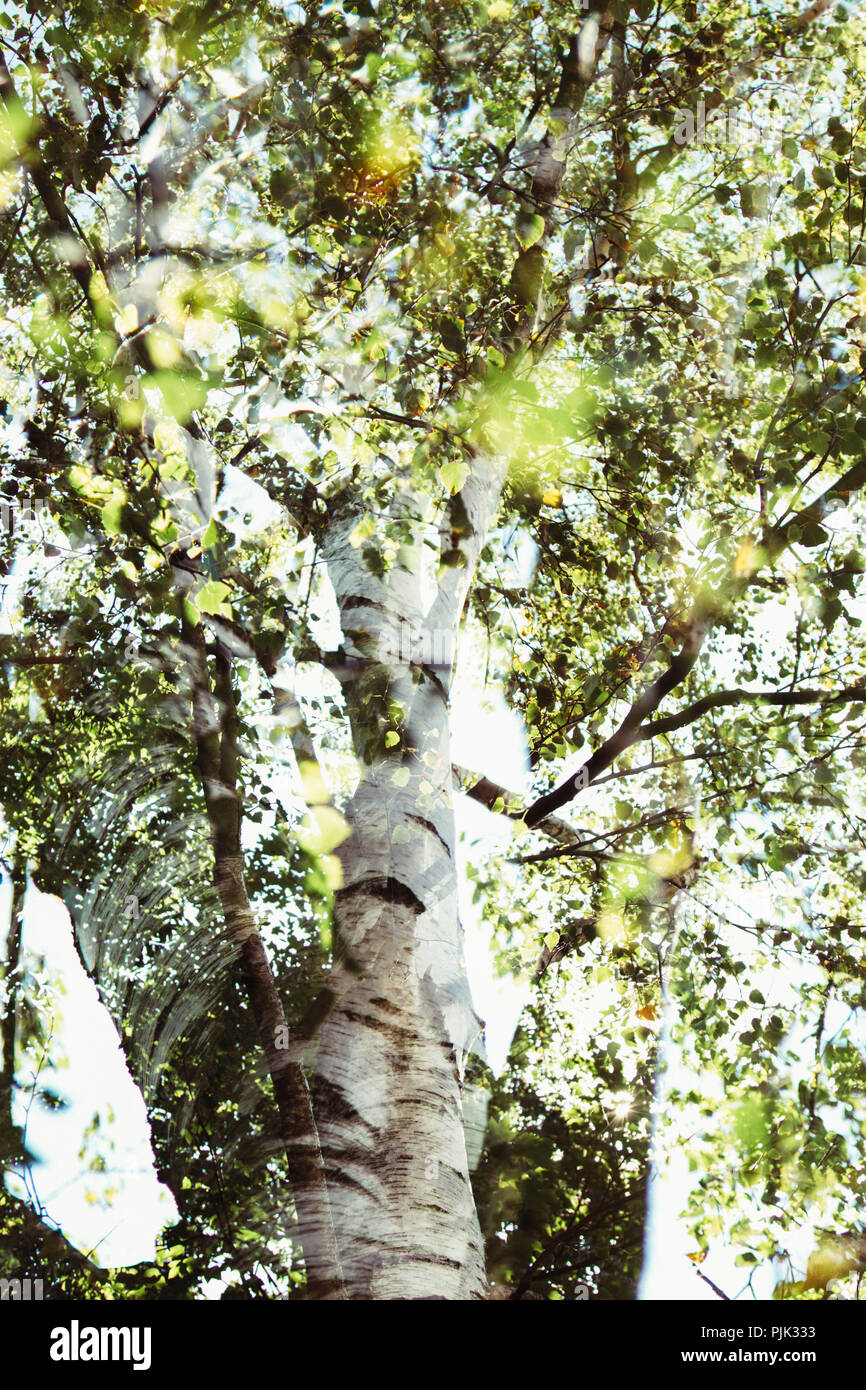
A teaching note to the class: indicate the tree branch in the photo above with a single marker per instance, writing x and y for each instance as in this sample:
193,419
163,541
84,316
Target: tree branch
774,539
488,793
721,698
577,73
80,269
11,962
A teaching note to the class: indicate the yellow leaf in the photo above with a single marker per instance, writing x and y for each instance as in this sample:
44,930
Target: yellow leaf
832,1260
80,478
610,926
333,871
552,497
362,532
163,348
322,830
668,863
112,512
315,791
127,319
211,598
744,560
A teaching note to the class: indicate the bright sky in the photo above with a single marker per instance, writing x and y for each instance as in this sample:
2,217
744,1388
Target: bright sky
94,1080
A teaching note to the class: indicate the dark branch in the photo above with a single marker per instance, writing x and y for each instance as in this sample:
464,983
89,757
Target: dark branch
852,694
774,539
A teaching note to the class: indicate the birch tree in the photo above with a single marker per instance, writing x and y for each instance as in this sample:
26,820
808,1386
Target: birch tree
419,281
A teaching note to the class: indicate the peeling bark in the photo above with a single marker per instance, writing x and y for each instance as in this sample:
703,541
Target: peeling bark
391,1050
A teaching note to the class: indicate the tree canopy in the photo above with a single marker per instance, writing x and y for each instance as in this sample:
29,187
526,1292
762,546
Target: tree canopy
534,334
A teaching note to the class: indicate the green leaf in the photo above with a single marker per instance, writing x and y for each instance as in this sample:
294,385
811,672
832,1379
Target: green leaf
363,531
453,475
80,478
191,613
813,535
852,444
181,394
322,830
818,440
211,598
529,229
680,221
452,332
112,512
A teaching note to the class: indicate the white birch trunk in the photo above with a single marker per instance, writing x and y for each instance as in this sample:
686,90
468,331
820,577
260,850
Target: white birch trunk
391,1050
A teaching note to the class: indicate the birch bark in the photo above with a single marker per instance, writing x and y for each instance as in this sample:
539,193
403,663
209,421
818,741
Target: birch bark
391,1050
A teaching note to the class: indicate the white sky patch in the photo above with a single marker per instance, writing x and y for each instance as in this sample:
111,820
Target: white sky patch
521,551
667,1273
249,508
94,1079
499,999
488,738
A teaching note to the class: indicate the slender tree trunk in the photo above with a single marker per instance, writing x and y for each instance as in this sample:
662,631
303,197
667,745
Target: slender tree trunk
215,722
11,963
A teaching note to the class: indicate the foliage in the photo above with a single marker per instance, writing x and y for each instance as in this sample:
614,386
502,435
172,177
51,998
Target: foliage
299,258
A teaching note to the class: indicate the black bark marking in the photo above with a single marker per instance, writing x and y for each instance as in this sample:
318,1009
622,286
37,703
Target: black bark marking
429,826
385,1004
358,601
389,890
